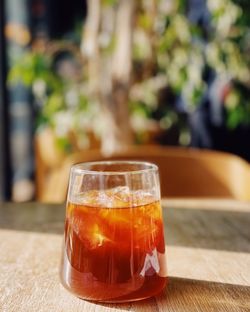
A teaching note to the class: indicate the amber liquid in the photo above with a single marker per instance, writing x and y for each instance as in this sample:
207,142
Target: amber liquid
114,254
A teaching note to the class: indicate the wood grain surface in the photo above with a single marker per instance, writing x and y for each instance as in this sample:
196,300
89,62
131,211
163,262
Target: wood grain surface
208,255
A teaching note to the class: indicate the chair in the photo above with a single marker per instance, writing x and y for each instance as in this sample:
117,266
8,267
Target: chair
183,172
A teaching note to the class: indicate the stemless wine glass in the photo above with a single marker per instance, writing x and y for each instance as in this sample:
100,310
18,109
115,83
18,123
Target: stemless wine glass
114,248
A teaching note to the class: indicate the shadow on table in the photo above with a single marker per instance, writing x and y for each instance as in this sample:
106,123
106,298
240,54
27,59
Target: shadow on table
204,296
193,295
210,229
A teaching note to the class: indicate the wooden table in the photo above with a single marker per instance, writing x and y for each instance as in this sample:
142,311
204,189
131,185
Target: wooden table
208,254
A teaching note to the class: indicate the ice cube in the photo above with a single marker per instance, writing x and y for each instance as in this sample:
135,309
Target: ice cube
120,190
98,239
94,237
105,199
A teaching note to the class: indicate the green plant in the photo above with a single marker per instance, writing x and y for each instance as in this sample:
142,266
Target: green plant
61,97
170,56
228,54
183,52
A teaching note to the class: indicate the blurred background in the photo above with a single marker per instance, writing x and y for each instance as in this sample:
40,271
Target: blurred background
106,74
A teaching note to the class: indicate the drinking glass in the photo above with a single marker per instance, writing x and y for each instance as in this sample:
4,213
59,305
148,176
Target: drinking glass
114,249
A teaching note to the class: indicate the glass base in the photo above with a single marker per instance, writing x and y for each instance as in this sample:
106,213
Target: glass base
141,294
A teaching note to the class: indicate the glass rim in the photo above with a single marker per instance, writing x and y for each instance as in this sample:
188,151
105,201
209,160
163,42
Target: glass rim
84,167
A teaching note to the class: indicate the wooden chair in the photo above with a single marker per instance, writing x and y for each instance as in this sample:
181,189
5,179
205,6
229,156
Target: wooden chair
183,172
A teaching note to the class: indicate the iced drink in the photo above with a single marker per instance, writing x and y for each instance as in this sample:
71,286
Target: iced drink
114,246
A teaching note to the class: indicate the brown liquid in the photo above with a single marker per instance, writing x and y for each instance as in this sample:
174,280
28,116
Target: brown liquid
114,254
